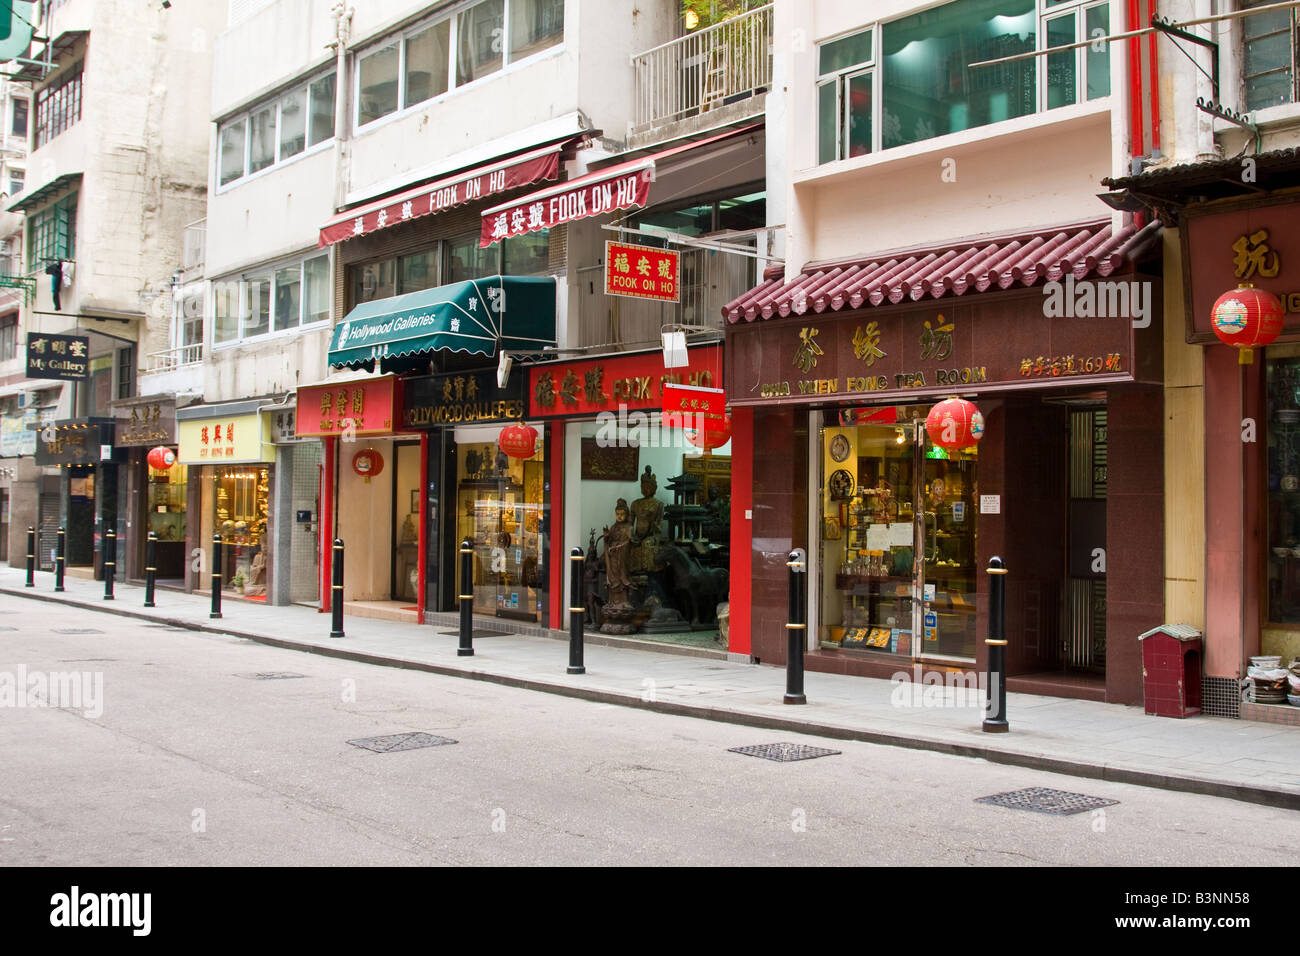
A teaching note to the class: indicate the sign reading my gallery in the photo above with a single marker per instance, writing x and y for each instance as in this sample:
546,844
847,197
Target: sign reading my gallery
64,357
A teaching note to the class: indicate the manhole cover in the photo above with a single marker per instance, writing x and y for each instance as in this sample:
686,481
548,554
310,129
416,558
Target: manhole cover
76,630
1045,800
394,742
783,752
476,634
272,675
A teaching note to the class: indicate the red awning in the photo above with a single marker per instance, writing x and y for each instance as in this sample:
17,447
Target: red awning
521,170
1082,250
623,186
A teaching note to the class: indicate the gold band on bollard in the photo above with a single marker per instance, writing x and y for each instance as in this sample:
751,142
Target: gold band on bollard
796,627
576,557
467,597
577,610
336,587
996,570
989,640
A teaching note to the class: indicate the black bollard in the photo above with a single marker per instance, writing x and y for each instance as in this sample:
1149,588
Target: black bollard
995,711
31,557
150,567
577,611
60,559
797,628
466,646
110,562
336,592
216,576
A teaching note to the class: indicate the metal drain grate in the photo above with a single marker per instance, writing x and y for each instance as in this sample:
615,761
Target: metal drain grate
391,743
76,630
1045,800
272,675
783,752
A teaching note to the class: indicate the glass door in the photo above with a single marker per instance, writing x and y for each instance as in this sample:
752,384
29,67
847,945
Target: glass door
946,492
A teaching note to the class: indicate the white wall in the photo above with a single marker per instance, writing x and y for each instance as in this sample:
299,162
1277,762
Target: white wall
270,365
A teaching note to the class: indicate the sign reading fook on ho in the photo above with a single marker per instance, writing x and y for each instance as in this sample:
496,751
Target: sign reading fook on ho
1090,299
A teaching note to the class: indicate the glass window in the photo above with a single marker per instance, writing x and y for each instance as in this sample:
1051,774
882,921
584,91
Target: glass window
427,66
378,94
58,106
844,100
1268,43
465,260
225,311
535,25
316,289
8,337
293,123
167,492
927,89
16,180
19,127
743,212
1061,81
478,52
373,280
527,255
232,151
1097,57
322,110
261,139
52,233
257,305
288,296
417,271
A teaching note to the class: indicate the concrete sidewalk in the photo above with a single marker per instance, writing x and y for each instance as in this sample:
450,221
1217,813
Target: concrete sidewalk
1239,759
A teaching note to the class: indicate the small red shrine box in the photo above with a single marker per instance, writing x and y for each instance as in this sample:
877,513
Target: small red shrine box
1171,670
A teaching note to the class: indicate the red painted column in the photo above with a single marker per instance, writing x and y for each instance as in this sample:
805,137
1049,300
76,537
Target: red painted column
422,547
742,530
559,562
327,523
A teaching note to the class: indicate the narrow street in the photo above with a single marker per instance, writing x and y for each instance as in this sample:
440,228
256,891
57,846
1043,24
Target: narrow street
195,761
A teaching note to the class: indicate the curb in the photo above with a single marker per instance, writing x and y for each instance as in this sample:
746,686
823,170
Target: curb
1183,783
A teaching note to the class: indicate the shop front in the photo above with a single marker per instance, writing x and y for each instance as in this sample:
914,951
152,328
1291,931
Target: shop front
230,467
83,451
154,499
650,508
371,502
899,522
479,488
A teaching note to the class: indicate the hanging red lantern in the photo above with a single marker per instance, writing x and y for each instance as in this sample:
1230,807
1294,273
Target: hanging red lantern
518,440
367,463
1246,318
955,423
161,458
715,433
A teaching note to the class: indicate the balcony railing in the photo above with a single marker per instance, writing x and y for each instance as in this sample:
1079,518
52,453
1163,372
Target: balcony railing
702,71
173,358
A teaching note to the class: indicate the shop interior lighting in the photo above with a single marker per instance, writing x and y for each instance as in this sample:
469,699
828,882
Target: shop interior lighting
899,435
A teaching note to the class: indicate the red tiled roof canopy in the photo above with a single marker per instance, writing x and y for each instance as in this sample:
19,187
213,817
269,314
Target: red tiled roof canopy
972,266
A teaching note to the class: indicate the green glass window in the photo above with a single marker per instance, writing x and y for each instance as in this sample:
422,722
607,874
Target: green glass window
1097,57
844,97
927,89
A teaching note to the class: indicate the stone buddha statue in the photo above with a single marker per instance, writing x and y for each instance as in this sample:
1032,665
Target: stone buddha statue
647,525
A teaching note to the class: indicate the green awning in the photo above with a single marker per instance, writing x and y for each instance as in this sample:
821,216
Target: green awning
479,317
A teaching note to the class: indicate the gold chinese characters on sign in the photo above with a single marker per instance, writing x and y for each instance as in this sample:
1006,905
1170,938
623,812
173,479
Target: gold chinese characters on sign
805,355
1252,257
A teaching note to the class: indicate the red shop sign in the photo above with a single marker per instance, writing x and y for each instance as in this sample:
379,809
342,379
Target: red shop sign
561,204
632,382
368,407
642,272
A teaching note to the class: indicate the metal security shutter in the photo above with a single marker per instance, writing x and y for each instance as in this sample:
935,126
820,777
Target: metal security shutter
241,9
47,531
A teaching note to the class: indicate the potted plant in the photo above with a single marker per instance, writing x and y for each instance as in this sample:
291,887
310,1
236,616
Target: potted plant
237,582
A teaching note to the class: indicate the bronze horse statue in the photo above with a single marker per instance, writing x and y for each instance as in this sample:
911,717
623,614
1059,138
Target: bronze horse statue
703,587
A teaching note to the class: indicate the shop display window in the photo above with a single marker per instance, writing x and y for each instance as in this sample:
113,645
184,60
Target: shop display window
166,502
241,500
1283,390
501,508
887,494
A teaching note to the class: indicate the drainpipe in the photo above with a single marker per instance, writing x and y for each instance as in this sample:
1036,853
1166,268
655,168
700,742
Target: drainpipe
342,15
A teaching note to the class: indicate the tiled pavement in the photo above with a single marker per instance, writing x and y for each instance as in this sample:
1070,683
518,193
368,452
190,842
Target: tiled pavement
1247,760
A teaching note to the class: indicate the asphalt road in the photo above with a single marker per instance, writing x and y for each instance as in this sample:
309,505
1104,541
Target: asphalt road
194,762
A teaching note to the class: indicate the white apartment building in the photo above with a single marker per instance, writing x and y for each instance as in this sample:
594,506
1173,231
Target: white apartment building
17,400
356,149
